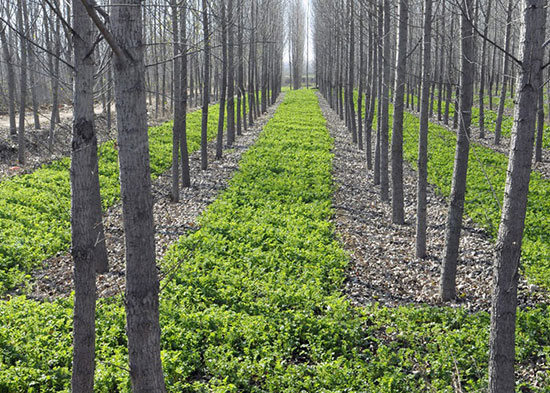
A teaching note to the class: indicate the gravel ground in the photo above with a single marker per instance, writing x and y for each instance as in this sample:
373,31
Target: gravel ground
383,265
172,220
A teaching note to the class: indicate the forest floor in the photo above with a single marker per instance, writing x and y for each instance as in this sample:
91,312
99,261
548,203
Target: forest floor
383,265
172,220
38,152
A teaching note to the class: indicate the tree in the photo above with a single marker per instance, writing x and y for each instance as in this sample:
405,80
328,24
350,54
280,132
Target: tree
510,234
505,72
422,183
398,214
142,284
206,87
385,97
22,23
88,240
458,187
223,93
11,80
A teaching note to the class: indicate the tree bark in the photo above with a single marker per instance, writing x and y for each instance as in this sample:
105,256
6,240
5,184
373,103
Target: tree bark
384,129
21,20
142,283
206,87
11,81
422,184
223,82
230,75
458,187
398,214
505,77
510,234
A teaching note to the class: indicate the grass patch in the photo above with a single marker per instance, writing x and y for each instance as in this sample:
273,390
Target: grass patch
35,208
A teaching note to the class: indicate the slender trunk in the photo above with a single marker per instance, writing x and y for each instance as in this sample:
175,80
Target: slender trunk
458,187
11,81
505,77
483,73
206,87
184,150
510,234
398,214
422,184
384,131
177,91
223,89
230,76
22,22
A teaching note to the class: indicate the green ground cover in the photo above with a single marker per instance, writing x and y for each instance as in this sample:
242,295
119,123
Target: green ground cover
35,208
256,305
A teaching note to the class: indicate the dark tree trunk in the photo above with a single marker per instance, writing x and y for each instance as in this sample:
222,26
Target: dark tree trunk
206,87
422,184
458,187
510,234
230,76
142,283
398,214
223,82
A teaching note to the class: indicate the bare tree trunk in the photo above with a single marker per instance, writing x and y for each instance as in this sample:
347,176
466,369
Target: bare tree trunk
458,188
22,22
384,176
88,240
505,77
510,234
223,90
241,95
362,68
206,87
483,73
177,92
184,150
230,76
422,184
32,82
398,214
11,81
142,283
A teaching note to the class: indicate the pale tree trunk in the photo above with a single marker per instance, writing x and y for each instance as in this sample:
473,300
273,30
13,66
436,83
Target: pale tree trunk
241,96
22,22
384,127
88,240
376,177
176,96
373,93
351,77
505,71
362,68
142,283
398,214
184,152
11,81
230,76
483,73
422,183
510,234
206,87
33,85
458,187
223,87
